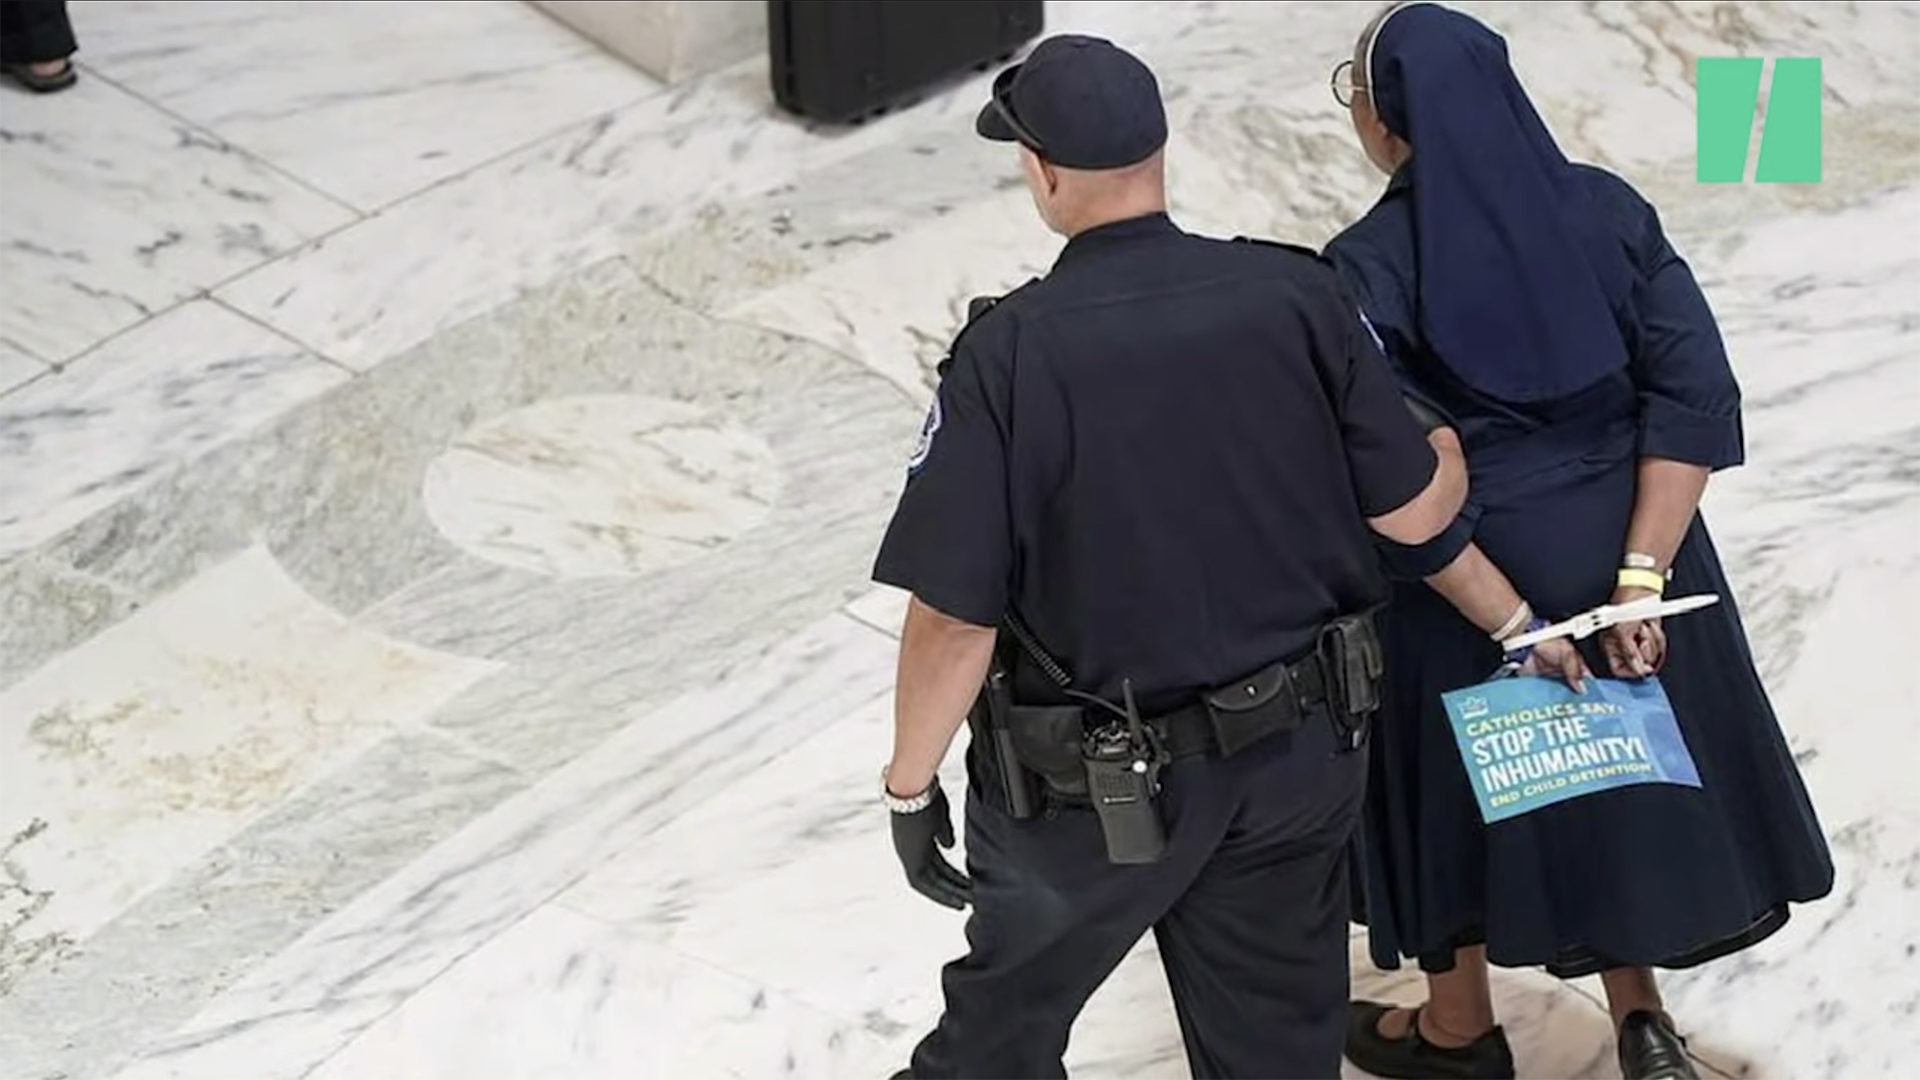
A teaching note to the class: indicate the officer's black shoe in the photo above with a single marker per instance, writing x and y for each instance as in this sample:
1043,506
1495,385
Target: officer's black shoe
903,1074
1411,1057
1651,1050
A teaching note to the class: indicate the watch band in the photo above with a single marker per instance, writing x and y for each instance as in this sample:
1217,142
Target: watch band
910,805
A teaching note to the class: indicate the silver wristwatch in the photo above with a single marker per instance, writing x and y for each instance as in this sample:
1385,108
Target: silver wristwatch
907,806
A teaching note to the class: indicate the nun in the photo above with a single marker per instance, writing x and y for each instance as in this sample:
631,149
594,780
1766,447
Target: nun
1536,305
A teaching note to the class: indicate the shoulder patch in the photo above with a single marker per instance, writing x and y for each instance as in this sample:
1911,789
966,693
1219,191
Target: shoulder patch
928,428
1297,249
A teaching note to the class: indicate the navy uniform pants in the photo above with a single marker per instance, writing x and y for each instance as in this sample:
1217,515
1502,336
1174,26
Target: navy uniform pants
1249,908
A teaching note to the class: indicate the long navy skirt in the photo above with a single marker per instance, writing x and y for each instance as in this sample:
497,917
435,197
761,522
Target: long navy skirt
1647,875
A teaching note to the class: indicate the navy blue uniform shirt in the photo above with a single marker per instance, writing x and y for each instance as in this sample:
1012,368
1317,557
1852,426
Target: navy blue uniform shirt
1161,456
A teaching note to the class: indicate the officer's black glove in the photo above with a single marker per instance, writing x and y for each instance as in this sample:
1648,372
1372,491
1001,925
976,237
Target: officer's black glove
915,837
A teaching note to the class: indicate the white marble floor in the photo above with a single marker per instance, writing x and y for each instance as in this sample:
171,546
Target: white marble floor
438,471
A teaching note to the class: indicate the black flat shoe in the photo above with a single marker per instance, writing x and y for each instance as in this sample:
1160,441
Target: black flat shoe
1412,1057
43,84
1651,1050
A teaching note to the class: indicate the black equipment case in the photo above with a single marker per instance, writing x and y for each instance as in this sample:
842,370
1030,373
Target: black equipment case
843,61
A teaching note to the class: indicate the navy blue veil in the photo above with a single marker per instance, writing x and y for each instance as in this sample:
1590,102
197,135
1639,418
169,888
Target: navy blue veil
1520,277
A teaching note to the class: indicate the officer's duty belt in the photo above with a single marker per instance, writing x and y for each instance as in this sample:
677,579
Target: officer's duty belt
1231,718
1047,739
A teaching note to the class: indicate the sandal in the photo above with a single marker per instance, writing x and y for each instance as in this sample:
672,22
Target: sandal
44,83
1412,1057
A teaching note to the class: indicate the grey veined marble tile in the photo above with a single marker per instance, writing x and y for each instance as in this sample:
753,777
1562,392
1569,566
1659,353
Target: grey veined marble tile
613,1006
367,102
556,206
115,211
320,993
342,489
125,761
76,442
148,969
17,367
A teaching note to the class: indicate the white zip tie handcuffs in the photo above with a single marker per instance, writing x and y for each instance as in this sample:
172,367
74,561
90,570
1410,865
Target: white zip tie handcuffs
1588,623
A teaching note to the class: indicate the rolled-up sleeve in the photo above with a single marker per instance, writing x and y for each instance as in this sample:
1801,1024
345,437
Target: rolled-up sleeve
1417,562
1689,399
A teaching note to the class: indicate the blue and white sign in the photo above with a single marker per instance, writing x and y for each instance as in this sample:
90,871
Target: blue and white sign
1529,742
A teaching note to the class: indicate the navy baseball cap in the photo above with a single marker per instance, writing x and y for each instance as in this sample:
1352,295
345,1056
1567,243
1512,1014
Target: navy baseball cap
1080,103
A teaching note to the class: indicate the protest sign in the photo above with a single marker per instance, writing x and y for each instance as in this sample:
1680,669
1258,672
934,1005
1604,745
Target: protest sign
1530,742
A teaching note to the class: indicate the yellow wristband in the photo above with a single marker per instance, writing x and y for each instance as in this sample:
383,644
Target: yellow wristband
1635,578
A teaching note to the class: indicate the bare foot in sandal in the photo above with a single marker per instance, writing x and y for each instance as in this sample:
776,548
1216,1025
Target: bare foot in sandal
44,76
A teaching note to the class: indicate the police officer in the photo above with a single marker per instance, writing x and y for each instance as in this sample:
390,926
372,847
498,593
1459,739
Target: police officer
1136,531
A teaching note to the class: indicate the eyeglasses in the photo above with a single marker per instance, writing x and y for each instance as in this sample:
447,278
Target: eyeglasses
1344,88
1003,104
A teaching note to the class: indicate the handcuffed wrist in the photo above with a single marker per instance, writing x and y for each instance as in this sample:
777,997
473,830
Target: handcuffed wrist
1652,581
1515,622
